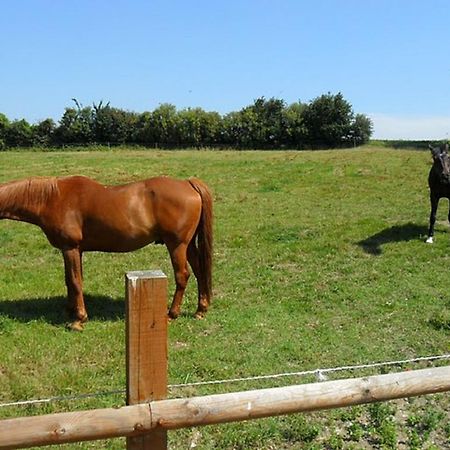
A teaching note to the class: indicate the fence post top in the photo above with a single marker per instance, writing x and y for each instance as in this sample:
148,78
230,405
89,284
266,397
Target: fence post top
145,274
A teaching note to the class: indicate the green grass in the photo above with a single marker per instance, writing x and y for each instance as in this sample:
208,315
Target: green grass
320,261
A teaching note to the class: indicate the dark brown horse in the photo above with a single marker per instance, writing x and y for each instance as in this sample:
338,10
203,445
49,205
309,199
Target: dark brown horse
77,214
439,183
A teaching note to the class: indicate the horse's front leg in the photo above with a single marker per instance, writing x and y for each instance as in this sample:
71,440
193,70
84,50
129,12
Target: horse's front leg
74,283
448,217
434,200
179,262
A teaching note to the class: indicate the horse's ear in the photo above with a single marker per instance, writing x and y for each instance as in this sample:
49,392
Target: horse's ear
434,150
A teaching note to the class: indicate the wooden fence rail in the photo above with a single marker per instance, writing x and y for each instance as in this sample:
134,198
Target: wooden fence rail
145,423
135,420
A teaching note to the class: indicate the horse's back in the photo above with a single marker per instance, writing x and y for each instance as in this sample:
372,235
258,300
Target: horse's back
158,193
78,186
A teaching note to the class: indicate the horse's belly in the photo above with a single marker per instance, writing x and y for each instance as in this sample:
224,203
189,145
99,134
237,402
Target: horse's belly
119,247
113,240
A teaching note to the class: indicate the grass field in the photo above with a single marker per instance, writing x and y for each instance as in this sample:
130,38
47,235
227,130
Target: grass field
320,261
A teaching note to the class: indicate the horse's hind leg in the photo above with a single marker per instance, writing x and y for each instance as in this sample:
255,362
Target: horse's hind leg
203,298
181,272
74,283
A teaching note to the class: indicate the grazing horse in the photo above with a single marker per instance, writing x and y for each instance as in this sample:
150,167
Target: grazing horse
78,214
439,183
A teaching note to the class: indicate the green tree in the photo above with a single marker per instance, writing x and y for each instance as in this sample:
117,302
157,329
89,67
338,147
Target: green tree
295,130
328,121
76,125
165,125
112,125
198,128
19,134
43,133
361,129
239,128
144,130
264,124
4,124
270,127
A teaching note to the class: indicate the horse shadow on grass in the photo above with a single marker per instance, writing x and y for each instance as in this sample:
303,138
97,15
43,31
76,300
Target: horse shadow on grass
397,233
52,309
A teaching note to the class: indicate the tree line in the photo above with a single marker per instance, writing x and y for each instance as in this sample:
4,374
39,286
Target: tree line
327,121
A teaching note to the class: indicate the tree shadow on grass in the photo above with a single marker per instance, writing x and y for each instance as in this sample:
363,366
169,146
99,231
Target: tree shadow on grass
396,233
52,309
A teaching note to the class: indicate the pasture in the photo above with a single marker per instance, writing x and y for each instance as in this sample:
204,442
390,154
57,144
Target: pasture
320,262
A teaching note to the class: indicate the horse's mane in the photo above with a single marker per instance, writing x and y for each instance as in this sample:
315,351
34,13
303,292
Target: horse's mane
33,191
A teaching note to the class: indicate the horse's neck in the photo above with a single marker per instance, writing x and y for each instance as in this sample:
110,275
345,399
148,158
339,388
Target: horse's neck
23,200
18,211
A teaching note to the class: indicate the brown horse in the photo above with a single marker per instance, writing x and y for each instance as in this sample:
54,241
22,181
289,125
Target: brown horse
78,214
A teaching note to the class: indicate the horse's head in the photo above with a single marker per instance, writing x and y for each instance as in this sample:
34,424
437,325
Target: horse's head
441,162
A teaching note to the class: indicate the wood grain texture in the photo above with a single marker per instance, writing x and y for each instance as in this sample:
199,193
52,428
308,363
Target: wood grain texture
146,347
74,426
222,408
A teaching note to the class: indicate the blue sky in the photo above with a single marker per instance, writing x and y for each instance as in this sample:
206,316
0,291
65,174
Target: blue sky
389,58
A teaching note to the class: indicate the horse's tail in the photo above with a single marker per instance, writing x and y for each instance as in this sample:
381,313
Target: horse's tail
205,232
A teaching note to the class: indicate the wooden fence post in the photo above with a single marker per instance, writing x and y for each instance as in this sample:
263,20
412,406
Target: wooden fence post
146,347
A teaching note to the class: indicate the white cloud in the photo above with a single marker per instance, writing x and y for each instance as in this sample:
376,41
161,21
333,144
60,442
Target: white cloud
410,127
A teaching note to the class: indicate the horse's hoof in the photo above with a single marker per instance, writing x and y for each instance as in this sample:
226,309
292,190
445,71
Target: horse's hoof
171,315
429,240
199,315
75,326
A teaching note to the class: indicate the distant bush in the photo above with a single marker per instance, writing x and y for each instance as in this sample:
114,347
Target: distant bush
401,144
327,121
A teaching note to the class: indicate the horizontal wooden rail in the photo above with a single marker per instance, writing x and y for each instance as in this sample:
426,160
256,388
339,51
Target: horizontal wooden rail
220,408
76,426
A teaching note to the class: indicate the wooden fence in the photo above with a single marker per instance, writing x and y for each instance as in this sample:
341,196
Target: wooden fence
148,415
